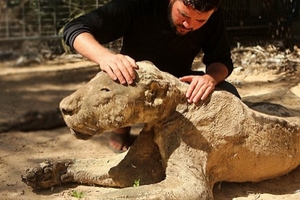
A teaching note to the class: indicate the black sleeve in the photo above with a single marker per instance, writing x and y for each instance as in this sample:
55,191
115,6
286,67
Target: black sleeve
216,47
107,23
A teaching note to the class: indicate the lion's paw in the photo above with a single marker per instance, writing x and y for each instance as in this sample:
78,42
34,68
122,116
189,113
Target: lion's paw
47,174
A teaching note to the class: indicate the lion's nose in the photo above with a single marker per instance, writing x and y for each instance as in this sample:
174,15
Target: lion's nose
66,111
68,106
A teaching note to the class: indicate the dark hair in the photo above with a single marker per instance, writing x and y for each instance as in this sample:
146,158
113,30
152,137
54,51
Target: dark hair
202,5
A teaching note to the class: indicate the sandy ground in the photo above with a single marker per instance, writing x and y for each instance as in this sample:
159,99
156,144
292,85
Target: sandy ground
42,87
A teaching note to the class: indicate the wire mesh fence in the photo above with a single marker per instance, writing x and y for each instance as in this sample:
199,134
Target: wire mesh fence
39,19
44,19
271,18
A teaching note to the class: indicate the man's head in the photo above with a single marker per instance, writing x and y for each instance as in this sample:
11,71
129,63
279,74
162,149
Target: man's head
189,15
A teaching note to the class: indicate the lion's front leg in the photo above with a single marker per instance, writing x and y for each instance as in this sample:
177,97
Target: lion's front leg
83,171
141,163
176,186
186,179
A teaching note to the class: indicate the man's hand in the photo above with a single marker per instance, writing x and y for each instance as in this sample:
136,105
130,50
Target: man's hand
200,87
119,67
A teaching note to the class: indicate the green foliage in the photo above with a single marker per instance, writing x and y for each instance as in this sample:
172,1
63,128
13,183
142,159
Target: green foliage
136,183
77,194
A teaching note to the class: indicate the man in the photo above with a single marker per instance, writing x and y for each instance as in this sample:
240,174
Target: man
169,33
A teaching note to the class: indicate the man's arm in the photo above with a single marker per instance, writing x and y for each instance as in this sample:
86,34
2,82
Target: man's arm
105,24
217,58
217,71
117,66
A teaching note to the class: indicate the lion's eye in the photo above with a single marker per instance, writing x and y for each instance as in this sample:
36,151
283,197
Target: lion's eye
105,89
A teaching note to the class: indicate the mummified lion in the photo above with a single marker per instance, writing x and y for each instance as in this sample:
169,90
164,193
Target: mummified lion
182,150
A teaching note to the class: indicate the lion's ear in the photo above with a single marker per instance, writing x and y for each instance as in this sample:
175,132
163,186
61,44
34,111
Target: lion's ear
156,92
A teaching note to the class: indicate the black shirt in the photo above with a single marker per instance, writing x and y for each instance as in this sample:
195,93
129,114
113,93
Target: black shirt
147,35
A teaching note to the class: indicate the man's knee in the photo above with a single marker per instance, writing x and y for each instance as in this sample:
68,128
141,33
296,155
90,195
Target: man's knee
224,85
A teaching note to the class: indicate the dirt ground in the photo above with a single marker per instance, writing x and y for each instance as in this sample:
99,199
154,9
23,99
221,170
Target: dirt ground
41,87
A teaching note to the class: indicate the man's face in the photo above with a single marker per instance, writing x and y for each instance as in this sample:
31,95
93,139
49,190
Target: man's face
184,19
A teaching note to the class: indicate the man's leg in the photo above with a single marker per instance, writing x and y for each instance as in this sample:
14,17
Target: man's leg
224,85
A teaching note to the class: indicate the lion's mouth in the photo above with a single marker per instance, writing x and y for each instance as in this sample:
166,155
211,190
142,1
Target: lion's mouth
80,135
